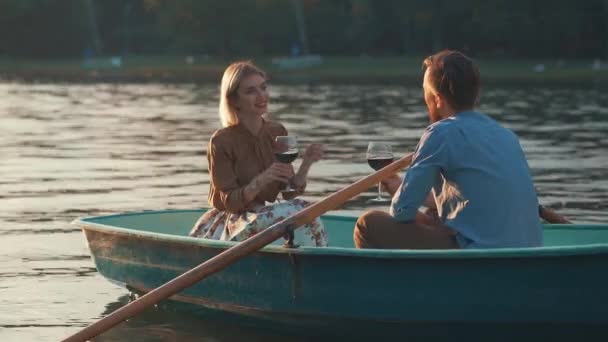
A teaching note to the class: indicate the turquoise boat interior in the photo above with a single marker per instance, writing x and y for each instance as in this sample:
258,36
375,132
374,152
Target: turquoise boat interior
175,224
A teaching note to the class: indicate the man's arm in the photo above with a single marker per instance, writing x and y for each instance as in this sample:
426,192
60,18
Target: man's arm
392,184
430,158
413,192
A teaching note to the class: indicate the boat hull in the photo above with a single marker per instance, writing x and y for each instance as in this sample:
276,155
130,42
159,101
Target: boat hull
307,286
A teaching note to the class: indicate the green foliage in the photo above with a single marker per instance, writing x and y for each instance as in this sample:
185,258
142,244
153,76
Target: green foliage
44,28
226,27
502,28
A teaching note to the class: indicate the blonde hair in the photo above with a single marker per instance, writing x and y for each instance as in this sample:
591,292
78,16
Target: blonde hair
233,75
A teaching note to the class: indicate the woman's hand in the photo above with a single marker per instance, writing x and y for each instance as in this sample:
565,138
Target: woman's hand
313,153
277,172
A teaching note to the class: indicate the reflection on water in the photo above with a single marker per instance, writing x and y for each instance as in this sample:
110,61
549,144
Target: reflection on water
169,324
80,150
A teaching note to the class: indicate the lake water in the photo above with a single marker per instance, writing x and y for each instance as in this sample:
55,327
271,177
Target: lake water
79,150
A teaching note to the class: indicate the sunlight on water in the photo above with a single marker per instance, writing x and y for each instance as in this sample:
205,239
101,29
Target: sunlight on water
82,150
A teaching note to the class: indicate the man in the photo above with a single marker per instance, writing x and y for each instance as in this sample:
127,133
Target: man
472,169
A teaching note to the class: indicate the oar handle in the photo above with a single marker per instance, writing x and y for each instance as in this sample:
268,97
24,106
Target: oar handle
551,216
334,200
242,249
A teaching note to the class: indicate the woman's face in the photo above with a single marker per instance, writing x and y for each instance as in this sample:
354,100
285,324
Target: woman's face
252,96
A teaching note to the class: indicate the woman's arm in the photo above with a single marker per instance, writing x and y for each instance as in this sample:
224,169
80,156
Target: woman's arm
313,153
276,172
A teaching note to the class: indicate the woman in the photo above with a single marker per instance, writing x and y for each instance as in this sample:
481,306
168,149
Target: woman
245,176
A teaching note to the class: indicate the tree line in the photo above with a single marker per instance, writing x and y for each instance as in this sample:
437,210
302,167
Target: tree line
494,28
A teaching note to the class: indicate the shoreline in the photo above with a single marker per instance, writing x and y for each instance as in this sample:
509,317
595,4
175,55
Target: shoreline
338,70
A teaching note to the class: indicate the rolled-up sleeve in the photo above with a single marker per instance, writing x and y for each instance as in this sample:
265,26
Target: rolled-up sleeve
430,158
224,179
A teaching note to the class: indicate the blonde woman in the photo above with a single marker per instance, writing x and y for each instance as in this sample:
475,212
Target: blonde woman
245,176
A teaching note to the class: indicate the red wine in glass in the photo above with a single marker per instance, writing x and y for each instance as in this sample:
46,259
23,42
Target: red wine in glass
286,151
379,162
379,155
287,156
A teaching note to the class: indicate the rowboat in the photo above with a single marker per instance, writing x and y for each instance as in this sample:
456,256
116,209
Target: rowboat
564,281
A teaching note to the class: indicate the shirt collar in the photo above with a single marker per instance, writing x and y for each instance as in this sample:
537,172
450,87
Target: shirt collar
241,128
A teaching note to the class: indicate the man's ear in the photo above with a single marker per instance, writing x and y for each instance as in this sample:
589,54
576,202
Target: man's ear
439,103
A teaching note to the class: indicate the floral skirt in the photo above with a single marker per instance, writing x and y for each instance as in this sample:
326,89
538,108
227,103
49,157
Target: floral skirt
222,225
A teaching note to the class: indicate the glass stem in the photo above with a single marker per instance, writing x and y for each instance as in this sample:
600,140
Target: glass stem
379,190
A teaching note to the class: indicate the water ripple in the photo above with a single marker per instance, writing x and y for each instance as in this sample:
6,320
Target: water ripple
94,149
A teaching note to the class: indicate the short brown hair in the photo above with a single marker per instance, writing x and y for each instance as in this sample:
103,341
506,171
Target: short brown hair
455,77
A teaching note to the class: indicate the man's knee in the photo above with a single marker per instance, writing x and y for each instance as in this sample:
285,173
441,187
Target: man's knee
364,231
369,218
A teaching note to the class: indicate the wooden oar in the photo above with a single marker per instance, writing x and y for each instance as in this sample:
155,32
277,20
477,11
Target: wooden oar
551,216
233,254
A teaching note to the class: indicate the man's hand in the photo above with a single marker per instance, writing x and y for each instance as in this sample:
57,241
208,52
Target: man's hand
392,183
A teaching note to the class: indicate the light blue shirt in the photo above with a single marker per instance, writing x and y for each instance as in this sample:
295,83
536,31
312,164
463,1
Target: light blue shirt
481,182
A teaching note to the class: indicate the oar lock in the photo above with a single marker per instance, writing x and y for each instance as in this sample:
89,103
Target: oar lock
289,235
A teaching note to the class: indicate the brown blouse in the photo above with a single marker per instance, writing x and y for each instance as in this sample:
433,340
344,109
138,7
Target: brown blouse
235,157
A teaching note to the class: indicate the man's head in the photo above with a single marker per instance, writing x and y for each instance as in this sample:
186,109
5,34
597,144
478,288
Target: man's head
451,84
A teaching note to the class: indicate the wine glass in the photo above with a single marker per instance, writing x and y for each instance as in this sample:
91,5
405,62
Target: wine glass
286,151
379,155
